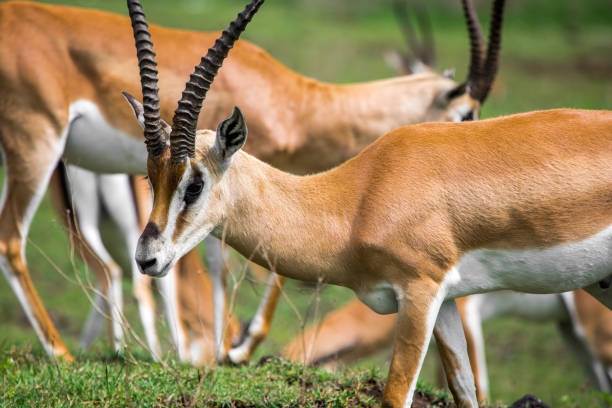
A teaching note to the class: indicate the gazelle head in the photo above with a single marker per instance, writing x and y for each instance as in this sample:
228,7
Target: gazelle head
184,167
453,102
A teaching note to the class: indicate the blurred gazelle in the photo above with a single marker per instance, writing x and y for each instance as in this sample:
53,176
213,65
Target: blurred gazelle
60,99
394,222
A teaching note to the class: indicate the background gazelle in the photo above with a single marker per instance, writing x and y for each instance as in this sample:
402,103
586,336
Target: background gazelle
394,222
61,97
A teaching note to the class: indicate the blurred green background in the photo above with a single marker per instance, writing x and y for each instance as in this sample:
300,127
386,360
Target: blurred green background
554,54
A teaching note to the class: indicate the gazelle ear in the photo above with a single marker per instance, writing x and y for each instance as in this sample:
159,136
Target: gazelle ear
448,95
136,107
138,110
231,135
449,73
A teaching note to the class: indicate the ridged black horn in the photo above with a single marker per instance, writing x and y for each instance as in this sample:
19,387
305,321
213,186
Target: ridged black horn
476,43
153,132
491,63
182,138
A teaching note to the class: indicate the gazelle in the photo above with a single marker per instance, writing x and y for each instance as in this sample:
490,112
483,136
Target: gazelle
394,223
83,198
60,96
346,334
419,61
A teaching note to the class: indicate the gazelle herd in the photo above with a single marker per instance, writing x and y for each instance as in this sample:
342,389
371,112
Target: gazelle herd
408,216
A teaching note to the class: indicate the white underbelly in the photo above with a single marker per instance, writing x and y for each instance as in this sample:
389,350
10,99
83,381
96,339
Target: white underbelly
551,270
95,145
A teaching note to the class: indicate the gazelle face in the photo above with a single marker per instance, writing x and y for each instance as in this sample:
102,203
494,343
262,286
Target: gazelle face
188,197
453,105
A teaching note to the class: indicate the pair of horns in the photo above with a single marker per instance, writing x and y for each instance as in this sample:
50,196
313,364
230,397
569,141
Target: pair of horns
483,69
182,135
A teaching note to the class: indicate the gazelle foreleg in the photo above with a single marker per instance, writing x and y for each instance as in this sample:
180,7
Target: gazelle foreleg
214,255
259,327
418,306
24,186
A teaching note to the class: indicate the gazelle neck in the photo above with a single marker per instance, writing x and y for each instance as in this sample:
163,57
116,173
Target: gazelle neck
335,122
272,216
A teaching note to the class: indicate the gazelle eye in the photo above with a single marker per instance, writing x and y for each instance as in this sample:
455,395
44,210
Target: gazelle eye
193,190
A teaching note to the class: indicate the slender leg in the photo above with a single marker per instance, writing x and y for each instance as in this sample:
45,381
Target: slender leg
84,187
452,347
169,291
24,186
575,337
260,325
95,321
418,309
196,308
214,255
469,310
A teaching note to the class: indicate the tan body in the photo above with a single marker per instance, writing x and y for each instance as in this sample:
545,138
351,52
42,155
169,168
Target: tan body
53,58
394,222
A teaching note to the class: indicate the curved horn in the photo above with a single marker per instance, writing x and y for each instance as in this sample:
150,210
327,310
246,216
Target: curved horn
423,50
153,132
490,65
182,137
476,43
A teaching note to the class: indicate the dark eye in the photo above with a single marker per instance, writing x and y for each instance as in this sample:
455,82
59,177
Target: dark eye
468,116
193,190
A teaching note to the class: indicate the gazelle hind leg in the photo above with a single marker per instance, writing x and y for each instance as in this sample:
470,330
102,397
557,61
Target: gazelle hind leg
24,186
259,327
575,337
94,323
452,347
84,186
469,311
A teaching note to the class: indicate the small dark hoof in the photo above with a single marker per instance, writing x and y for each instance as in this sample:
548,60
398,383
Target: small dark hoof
529,401
266,359
605,283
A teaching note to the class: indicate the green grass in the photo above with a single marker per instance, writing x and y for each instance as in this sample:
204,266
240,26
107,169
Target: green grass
115,381
554,54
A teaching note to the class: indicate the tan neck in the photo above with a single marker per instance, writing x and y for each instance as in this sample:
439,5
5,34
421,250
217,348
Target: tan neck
273,216
335,122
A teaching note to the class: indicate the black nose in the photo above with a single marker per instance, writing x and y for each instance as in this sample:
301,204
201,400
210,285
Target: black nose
144,265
